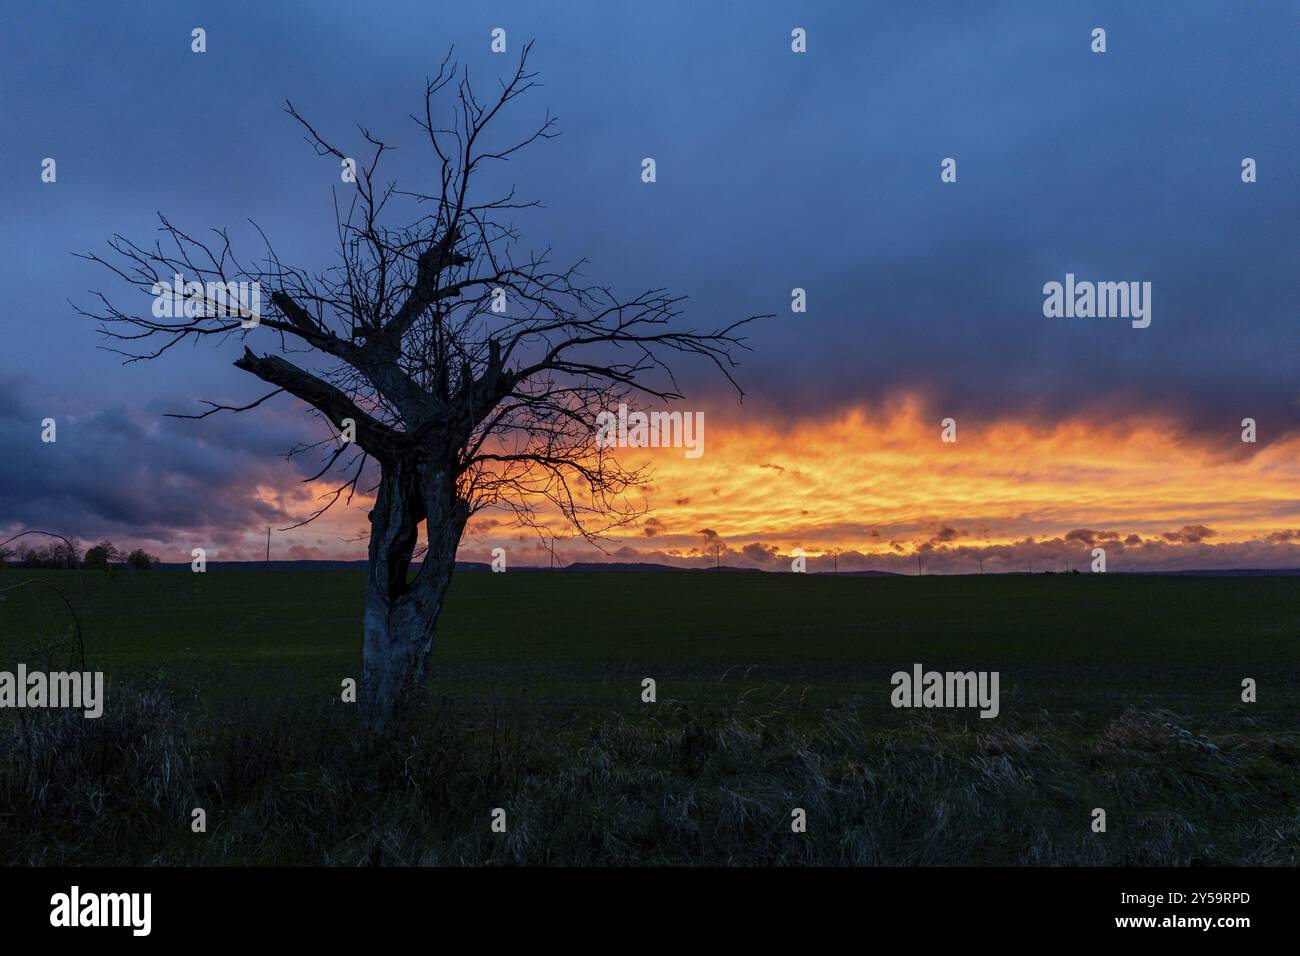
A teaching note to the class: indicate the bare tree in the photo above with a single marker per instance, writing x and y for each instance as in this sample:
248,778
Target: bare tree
462,405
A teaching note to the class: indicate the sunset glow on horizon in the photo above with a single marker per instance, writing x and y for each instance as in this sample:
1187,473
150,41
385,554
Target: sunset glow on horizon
878,488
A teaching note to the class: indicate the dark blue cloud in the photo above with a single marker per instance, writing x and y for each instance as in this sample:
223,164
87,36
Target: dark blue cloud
114,472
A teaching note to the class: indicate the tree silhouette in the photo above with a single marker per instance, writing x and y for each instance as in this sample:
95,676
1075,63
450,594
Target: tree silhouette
411,357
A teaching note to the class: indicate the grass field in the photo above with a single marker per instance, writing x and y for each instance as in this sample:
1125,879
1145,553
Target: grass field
773,691
582,642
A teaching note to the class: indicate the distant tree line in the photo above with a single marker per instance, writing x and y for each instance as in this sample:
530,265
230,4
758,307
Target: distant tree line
61,554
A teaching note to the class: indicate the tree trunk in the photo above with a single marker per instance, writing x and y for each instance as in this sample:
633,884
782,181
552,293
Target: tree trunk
401,617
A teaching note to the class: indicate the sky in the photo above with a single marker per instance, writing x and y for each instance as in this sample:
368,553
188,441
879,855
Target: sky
775,170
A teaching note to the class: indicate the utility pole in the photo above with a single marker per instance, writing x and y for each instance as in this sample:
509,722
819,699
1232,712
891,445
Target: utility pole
918,564
981,565
835,561
717,558
268,545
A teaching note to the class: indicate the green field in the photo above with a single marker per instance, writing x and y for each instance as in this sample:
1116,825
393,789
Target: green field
579,642
1120,693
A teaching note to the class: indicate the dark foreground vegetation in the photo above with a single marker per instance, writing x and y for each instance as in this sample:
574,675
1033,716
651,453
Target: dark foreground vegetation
224,693
678,787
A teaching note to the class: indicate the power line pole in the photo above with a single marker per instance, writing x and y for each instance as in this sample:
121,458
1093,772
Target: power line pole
268,545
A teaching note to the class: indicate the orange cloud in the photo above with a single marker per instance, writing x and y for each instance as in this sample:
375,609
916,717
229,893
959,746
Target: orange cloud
859,480
882,484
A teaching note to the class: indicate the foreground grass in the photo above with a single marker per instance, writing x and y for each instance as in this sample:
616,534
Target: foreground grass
678,785
223,693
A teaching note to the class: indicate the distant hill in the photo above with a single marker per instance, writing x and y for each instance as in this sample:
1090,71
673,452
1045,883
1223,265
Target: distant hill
272,565
643,566
1234,572
619,566
864,574
312,565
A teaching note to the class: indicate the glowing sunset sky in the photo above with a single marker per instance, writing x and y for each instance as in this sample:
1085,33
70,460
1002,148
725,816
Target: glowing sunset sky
775,171
878,487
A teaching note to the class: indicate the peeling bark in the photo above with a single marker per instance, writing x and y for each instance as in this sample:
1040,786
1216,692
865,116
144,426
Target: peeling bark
402,612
